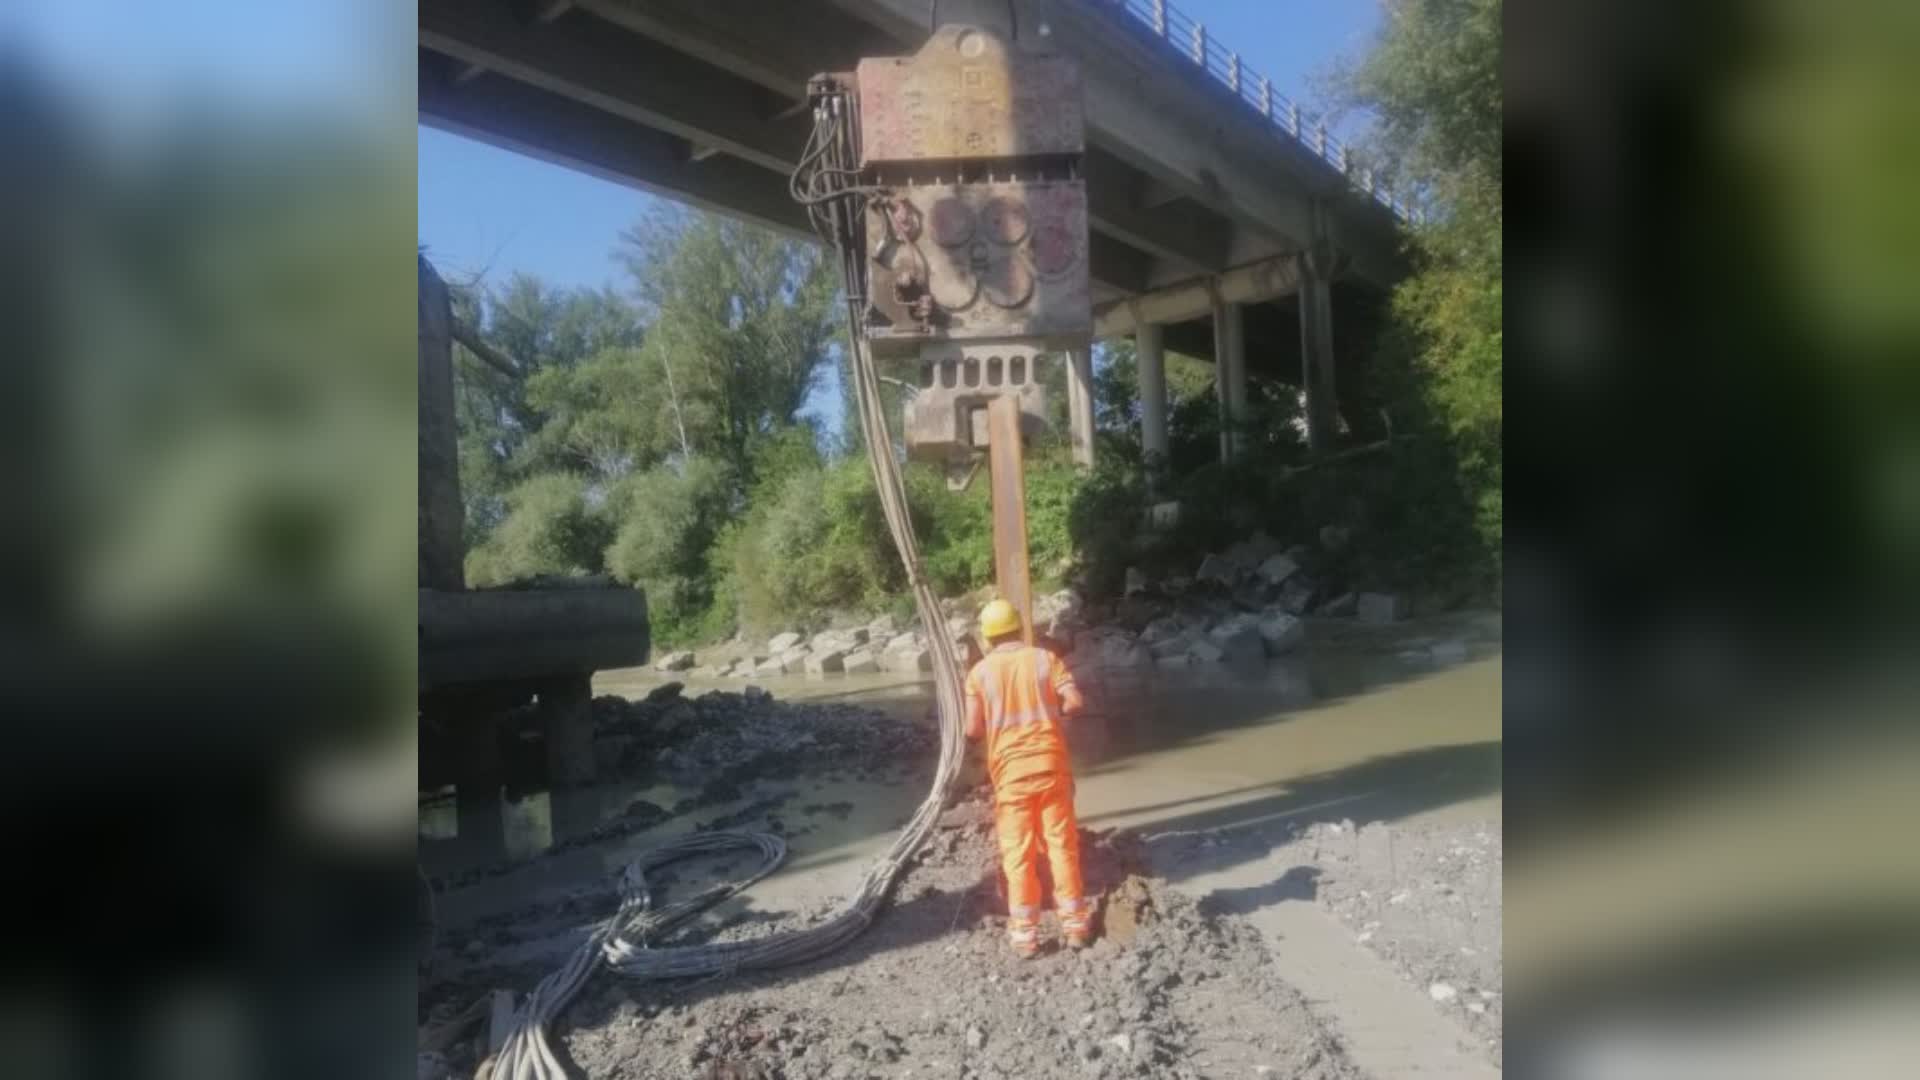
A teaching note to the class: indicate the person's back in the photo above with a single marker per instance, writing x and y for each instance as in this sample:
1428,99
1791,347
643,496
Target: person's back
1017,699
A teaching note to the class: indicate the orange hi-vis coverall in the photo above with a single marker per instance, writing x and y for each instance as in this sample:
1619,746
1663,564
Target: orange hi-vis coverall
1017,696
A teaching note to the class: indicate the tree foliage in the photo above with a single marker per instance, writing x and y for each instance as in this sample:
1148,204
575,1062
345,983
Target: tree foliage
1433,79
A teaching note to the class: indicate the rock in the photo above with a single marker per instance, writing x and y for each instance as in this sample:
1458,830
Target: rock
756,695
1173,660
773,665
1136,582
664,693
675,661
1451,651
827,641
882,628
1476,1007
1381,608
1281,633
1056,614
976,1038
677,715
1171,645
1122,1042
826,662
860,662
1278,568
1203,651
1107,648
1163,515
1296,594
1215,569
794,660
1162,628
780,643
1442,992
910,659
1344,604
710,671
1335,537
959,625
431,1065
1239,640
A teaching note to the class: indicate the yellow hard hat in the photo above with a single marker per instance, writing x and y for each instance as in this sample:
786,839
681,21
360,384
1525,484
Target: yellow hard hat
998,618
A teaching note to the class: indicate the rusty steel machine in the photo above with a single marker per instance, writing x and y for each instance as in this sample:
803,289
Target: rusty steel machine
951,182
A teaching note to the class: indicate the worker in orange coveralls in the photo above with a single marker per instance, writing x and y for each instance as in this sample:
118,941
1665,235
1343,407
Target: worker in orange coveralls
1017,697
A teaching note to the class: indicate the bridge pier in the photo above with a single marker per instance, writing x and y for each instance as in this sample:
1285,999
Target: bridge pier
1152,359
566,718
1080,404
1230,376
1316,350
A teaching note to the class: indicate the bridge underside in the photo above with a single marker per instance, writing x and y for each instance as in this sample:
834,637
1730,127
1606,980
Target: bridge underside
701,101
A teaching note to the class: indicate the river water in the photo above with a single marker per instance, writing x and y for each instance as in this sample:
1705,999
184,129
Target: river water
1358,725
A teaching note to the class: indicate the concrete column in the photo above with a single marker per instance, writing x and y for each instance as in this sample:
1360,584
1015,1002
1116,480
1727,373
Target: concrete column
1080,404
1153,395
1230,361
1316,351
566,714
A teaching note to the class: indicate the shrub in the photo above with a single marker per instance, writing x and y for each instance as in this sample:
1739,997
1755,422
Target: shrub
667,520
550,528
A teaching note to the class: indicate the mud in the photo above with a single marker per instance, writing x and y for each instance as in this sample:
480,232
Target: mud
932,990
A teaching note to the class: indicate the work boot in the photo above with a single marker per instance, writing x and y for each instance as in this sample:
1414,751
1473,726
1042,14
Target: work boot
1025,941
1079,939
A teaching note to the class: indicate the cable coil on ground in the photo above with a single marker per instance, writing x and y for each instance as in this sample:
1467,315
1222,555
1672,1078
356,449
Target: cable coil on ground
825,182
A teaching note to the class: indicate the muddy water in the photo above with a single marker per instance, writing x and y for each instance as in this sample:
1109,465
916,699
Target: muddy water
1351,728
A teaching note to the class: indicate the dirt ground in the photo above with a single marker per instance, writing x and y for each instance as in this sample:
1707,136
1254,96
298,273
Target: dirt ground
1183,982
1426,897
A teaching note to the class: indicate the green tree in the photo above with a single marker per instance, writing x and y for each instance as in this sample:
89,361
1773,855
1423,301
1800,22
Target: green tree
740,327
1433,79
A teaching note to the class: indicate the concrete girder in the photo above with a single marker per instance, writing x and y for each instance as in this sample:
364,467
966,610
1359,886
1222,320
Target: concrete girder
656,83
527,119
629,76
1195,298
531,121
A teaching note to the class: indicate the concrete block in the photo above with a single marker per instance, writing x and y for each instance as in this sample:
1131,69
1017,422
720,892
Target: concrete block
1216,569
1278,568
1164,515
1136,582
682,660
826,662
882,628
1451,651
780,643
860,662
1239,641
1281,633
910,659
1382,608
772,665
794,660
1203,651
1344,604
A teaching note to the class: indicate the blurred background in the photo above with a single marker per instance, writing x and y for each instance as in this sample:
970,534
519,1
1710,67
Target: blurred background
206,446
1713,546
1713,755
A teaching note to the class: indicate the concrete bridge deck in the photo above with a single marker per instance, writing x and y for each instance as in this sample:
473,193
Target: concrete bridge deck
1211,209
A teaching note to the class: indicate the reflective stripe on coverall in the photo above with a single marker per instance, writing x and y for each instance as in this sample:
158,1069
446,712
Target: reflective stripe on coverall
1016,697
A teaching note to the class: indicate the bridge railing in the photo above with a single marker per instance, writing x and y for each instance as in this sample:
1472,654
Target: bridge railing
1282,115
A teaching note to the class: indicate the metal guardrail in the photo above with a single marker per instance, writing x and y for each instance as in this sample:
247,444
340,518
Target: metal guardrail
1189,39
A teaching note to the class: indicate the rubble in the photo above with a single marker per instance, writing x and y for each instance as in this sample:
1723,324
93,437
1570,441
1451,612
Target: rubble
860,662
675,661
780,643
1278,568
1281,633
1344,604
930,989
827,661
